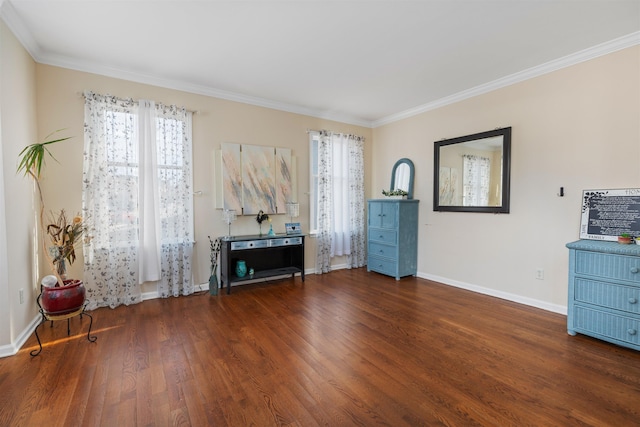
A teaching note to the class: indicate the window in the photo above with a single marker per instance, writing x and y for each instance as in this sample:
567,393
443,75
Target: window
337,198
123,165
137,196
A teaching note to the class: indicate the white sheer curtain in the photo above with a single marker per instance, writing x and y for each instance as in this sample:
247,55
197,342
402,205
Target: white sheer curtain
341,224
475,180
137,203
148,196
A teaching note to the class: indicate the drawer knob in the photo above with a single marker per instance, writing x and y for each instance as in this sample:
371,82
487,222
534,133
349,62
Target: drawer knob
634,270
633,300
632,331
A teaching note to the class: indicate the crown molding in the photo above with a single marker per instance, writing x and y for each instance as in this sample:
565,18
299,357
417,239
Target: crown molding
8,14
153,80
548,67
20,31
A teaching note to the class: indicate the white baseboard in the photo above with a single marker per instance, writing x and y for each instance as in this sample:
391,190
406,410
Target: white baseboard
498,294
13,348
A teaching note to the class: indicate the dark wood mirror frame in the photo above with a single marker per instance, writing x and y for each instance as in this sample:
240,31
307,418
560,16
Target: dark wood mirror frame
503,206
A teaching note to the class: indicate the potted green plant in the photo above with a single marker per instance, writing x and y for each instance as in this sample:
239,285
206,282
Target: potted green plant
395,194
624,238
58,296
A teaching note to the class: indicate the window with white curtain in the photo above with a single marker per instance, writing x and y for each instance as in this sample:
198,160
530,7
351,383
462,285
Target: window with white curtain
337,198
137,199
314,140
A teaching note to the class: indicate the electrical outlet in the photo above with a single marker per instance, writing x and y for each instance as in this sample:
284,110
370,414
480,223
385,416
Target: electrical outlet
21,293
540,274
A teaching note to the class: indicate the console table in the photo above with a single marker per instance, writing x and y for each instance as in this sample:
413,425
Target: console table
268,256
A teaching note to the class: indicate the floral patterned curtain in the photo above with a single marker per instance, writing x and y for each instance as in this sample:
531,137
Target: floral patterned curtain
341,223
475,180
111,203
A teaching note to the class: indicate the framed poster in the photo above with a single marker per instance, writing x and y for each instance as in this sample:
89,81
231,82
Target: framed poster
608,213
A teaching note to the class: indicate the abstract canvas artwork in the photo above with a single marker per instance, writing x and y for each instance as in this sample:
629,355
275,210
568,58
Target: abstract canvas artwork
256,178
283,179
448,180
232,177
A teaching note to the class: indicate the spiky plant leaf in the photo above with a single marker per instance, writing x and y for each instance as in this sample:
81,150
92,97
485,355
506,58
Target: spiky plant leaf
32,156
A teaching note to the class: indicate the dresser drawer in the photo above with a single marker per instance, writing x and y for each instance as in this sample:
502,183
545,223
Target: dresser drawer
619,297
611,325
384,236
386,251
608,266
382,265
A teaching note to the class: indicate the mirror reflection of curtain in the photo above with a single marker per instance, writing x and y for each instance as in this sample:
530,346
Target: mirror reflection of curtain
403,173
475,180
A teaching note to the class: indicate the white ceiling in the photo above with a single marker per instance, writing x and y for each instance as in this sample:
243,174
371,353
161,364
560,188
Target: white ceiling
361,62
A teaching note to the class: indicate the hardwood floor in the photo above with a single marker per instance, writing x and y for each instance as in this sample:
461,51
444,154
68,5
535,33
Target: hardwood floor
345,348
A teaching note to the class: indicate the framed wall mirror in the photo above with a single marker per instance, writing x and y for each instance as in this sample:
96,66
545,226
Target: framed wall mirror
402,176
471,173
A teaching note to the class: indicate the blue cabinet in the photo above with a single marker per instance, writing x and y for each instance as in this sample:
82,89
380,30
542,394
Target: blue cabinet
604,291
393,237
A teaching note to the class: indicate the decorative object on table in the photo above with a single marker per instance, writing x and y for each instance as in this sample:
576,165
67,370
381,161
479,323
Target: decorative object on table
395,194
637,239
608,213
293,228
624,239
260,218
241,268
228,216
293,210
251,272
213,278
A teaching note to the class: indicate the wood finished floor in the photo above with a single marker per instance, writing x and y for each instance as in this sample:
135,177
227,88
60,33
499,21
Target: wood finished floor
341,349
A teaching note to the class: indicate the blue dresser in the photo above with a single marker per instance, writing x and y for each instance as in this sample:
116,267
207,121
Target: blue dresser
604,291
393,237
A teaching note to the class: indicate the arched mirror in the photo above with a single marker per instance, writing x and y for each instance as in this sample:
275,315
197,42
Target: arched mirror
471,173
402,176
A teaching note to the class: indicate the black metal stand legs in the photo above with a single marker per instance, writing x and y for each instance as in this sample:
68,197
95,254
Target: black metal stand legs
45,316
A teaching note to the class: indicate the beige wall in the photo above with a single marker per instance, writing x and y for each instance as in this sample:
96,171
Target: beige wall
17,231
577,128
61,106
